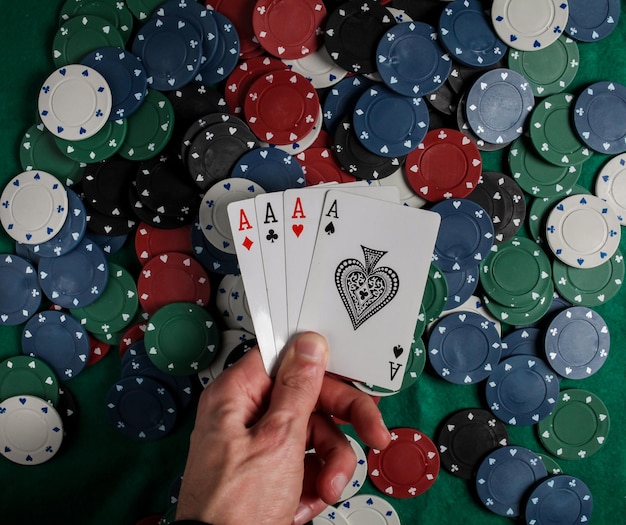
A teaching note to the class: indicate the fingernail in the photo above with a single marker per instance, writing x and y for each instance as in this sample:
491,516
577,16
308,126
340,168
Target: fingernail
303,514
339,483
311,347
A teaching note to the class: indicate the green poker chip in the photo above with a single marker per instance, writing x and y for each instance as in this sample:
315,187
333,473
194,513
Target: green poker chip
182,338
577,427
80,36
149,128
101,146
589,286
114,309
24,375
516,273
39,151
552,132
116,12
536,176
435,294
522,316
551,465
540,208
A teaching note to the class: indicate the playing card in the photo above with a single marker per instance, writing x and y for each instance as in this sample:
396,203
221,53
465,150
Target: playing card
366,282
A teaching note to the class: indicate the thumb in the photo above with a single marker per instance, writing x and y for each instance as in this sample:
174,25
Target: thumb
300,376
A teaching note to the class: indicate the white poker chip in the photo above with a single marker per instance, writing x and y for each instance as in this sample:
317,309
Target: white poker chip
611,185
368,509
213,215
398,179
318,67
229,340
75,102
529,25
360,472
232,303
33,207
329,516
31,430
583,231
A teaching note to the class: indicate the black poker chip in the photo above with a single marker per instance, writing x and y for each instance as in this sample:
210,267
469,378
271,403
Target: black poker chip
109,225
152,217
443,100
503,199
68,410
465,437
105,186
358,161
427,11
200,124
238,352
462,77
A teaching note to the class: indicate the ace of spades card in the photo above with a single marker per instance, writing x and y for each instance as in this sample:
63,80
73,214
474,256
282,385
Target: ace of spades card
365,285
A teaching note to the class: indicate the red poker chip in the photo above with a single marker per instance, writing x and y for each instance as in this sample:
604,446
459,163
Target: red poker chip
133,335
98,350
447,164
319,166
323,140
408,467
244,75
151,241
281,107
289,29
239,12
172,278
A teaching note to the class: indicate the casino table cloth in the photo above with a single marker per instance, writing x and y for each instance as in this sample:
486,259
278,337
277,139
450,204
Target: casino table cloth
101,478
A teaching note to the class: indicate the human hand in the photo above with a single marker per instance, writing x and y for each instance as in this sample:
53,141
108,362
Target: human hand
246,461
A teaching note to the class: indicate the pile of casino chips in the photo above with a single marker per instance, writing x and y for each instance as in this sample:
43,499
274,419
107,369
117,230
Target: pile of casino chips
160,114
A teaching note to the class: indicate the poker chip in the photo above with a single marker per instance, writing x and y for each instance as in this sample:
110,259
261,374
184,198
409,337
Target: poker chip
330,515
233,344
476,304
524,341
582,231
590,25
31,430
59,340
141,408
289,29
552,466
592,286
408,466
227,54
105,186
578,426
360,472
115,307
464,126
232,303
149,128
181,338
68,410
399,180
98,350
211,258
319,166
171,278
213,217
549,70
131,336
465,236
464,348
598,113
552,134
521,315
577,342
77,278
81,35
468,36
529,25
465,437
305,142
352,33
200,124
522,390
486,115
318,67
443,100
435,294
461,286
20,294
144,213
447,164
609,185
118,14
125,75
342,98
366,508
417,44
151,241
100,146
559,499
108,225
504,477
25,375
517,273
142,9
240,12
536,176
271,168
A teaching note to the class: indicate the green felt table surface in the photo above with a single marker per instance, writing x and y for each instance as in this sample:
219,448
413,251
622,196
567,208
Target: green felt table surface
102,478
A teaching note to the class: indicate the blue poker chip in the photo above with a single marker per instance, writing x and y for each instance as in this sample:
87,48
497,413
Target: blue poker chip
341,99
465,236
76,279
389,124
70,234
271,168
141,408
504,478
411,61
126,76
577,342
498,104
58,339
600,117
559,500
522,390
524,341
109,244
226,56
464,347
592,21
170,50
467,34
20,294
461,286
211,258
